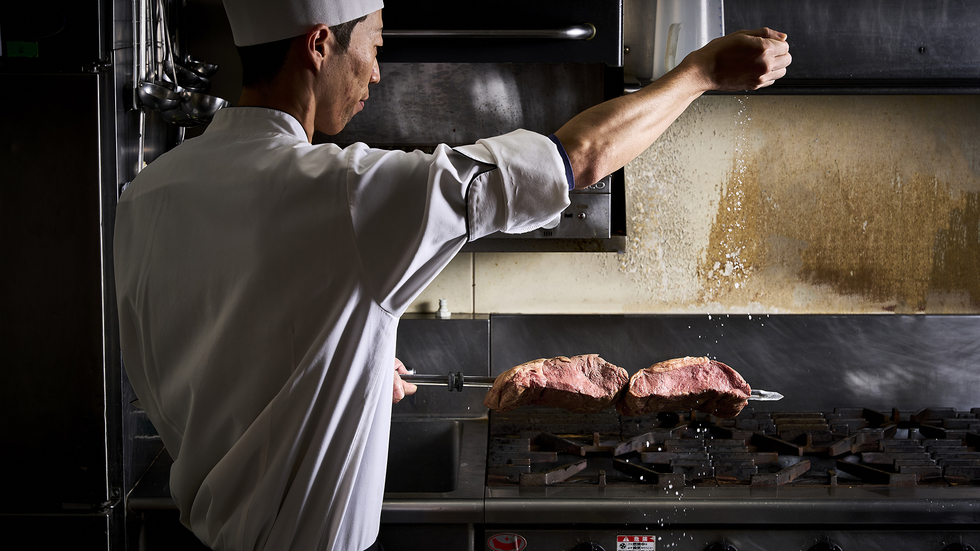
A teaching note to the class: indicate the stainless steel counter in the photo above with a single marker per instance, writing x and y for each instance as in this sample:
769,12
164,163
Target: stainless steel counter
461,504
464,502
738,506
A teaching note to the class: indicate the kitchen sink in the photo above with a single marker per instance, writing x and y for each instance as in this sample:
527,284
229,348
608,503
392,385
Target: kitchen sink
436,470
423,456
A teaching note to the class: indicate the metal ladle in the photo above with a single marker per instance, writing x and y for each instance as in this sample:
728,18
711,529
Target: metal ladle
201,106
199,66
187,79
154,95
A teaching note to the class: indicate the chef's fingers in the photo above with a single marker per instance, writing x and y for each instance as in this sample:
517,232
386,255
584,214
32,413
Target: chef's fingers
772,77
777,58
776,43
400,367
766,32
401,389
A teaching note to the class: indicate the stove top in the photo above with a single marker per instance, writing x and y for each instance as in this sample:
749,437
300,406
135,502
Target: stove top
851,447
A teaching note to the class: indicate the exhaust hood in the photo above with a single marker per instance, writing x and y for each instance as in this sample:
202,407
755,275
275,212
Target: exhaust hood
850,46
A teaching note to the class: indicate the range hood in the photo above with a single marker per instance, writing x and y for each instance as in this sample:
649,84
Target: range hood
853,46
450,78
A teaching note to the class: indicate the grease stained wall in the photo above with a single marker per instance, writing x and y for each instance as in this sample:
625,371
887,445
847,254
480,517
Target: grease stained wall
793,204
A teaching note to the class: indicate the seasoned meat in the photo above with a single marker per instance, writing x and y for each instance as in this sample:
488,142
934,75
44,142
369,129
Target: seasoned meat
583,384
686,384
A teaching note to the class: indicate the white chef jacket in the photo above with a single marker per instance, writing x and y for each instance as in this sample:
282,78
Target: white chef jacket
260,280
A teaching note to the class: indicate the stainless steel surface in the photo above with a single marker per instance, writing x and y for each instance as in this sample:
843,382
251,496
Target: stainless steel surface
428,426
457,381
440,346
453,381
200,106
803,497
517,15
178,117
818,362
200,66
615,244
762,507
701,538
639,22
423,104
574,32
436,471
161,84
53,384
184,77
157,96
867,46
844,46
765,395
60,384
586,217
443,86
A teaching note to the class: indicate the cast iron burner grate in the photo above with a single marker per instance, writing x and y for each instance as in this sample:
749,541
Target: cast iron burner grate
850,446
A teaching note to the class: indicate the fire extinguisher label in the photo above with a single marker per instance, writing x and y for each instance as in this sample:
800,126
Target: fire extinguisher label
636,543
506,542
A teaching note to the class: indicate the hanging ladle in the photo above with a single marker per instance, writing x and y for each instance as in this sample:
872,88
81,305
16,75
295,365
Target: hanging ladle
155,95
199,66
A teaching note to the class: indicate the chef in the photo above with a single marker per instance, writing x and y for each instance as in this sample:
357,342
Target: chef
260,278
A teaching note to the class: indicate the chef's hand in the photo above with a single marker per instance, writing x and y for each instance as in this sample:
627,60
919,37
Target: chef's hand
743,60
401,388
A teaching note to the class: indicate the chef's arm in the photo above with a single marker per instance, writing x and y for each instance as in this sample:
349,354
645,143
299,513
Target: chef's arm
604,138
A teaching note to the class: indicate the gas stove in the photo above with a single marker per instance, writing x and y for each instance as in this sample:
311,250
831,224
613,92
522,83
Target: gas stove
935,447
763,480
801,474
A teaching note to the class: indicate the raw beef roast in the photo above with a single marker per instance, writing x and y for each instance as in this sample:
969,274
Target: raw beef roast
686,384
583,384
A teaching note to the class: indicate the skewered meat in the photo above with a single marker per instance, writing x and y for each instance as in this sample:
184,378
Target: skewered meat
686,384
582,384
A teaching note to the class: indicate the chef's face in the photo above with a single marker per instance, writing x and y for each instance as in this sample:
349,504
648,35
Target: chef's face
344,88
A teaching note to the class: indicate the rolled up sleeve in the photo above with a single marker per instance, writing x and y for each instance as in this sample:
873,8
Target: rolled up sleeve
528,189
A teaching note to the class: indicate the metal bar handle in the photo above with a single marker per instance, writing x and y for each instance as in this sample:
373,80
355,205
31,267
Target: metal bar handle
575,32
454,381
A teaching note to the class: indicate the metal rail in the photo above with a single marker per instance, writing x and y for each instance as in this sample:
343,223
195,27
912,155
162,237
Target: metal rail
585,31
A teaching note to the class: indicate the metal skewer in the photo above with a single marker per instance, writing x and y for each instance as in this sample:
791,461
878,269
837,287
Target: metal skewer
457,381
765,395
454,381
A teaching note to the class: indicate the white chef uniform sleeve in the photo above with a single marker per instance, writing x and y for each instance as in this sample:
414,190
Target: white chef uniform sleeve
413,212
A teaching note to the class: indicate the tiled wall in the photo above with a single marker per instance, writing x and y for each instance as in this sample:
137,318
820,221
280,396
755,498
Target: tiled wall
790,204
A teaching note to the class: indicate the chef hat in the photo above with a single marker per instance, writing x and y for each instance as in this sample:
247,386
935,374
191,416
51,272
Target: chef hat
260,21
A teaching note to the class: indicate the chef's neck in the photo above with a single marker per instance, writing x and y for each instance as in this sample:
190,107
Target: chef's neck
291,93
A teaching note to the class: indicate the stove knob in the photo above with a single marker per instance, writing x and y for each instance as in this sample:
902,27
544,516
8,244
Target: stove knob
825,546
720,546
959,547
588,546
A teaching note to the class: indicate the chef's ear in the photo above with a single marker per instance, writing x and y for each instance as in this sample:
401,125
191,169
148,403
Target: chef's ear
319,39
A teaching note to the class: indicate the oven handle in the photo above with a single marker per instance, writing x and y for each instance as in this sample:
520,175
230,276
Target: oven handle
575,32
